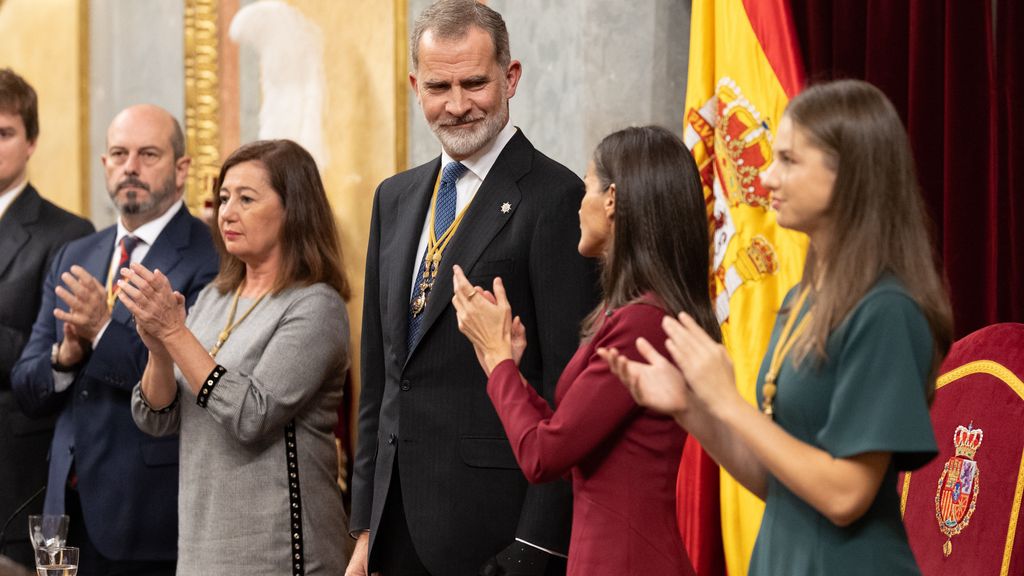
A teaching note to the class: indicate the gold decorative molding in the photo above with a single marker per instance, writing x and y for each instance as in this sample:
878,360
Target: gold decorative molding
202,99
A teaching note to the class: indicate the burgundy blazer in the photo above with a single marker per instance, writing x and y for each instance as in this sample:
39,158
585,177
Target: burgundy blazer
623,459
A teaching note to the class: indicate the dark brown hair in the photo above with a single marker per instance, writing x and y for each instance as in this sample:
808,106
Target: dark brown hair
18,97
310,248
660,243
452,19
878,221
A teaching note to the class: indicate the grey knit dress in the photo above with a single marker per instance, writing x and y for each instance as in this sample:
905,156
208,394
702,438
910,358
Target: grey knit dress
258,491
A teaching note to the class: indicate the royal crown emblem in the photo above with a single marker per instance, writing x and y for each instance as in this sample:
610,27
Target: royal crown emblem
731,144
742,145
758,259
957,492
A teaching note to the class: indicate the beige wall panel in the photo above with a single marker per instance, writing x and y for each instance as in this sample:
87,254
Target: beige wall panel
364,113
41,42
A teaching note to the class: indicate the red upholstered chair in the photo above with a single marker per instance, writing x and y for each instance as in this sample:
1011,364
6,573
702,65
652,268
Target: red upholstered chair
962,511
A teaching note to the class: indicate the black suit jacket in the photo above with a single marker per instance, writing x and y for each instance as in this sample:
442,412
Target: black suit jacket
465,497
31,231
127,481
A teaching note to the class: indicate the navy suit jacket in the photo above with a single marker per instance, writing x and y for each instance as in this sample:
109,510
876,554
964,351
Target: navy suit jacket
127,481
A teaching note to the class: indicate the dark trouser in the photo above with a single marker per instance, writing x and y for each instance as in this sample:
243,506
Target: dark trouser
394,553
92,563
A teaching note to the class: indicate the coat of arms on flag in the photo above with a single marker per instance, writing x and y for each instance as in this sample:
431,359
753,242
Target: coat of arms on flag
957,492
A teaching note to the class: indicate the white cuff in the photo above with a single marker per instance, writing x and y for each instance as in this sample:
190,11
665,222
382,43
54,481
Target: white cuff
62,380
552,552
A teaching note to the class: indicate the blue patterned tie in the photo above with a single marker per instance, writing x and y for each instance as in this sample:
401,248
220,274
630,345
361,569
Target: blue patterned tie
444,215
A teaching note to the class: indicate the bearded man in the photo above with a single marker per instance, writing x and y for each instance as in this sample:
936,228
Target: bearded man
436,487
119,486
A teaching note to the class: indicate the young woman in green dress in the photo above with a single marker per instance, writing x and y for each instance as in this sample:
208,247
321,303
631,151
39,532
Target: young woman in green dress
844,387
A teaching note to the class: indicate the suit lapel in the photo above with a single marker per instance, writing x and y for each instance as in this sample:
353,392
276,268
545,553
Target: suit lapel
485,217
163,255
13,235
97,260
416,200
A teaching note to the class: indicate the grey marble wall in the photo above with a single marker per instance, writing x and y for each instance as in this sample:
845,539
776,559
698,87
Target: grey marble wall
589,67
136,56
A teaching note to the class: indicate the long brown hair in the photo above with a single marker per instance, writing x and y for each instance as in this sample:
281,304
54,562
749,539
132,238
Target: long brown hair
877,217
660,243
310,248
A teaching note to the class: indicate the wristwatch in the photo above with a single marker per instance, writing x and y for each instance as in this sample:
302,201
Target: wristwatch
55,360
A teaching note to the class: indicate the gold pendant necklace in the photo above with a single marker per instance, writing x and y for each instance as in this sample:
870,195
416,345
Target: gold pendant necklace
435,249
430,263
786,340
231,324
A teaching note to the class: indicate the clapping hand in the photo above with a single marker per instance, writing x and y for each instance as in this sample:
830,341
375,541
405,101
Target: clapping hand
656,384
699,373
488,322
158,309
705,364
86,315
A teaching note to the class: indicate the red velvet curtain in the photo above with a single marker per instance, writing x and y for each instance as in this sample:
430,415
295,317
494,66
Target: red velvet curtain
956,77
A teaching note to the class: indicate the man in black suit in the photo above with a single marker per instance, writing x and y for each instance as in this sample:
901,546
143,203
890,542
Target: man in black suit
32,229
436,488
84,357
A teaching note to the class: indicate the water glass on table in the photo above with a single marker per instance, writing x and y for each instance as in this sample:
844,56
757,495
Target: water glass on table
57,561
48,530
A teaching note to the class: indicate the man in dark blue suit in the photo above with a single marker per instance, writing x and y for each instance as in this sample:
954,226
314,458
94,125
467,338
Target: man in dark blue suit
119,486
32,229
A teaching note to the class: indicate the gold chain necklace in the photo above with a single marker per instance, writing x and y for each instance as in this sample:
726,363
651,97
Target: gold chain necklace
786,340
435,250
231,323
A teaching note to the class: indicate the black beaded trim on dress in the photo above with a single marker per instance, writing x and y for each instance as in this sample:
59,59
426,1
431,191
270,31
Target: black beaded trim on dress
204,393
298,560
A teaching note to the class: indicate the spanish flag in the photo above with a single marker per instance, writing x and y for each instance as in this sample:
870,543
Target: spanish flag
744,67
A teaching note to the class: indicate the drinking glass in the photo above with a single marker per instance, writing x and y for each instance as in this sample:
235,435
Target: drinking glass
57,561
48,530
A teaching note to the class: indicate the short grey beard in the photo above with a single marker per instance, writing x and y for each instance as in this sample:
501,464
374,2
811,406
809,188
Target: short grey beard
463,144
132,207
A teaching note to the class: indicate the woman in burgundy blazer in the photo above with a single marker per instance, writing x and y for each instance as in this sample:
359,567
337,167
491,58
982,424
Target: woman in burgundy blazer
643,216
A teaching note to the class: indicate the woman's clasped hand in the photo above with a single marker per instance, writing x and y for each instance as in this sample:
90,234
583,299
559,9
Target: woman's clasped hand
158,309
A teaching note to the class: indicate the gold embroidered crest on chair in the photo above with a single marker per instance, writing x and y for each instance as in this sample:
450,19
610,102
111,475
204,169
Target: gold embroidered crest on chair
962,511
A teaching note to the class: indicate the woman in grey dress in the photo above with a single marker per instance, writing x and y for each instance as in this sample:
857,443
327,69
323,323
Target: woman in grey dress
252,379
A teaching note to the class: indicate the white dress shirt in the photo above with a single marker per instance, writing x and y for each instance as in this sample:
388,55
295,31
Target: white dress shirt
10,195
478,166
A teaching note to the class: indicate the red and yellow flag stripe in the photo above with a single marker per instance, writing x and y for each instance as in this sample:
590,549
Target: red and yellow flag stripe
744,67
